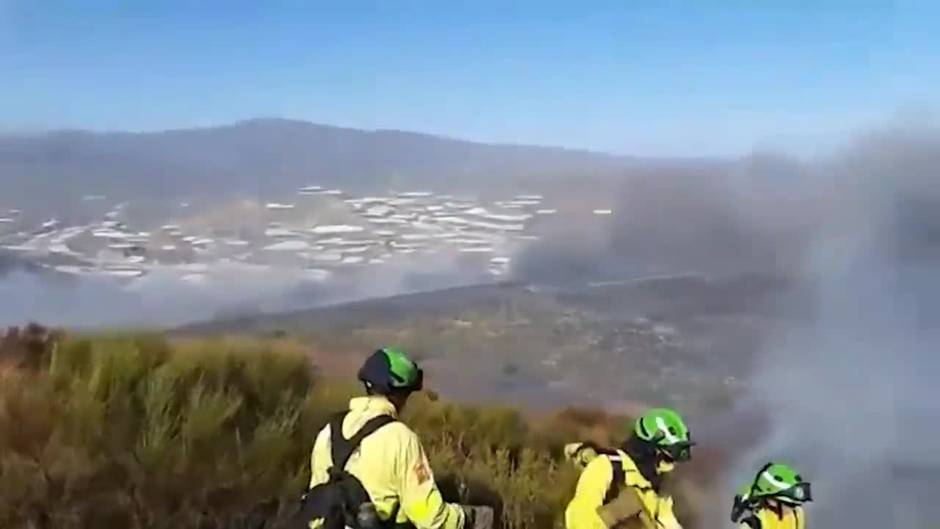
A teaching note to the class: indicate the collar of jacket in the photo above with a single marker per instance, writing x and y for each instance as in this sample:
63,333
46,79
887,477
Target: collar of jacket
634,477
377,404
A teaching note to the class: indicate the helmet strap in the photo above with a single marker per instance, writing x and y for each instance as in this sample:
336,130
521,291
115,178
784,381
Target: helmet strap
757,476
645,455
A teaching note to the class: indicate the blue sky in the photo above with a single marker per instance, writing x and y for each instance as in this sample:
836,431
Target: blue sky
656,78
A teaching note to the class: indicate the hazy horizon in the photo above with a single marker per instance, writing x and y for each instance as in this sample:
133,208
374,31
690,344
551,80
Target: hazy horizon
901,118
41,132
663,79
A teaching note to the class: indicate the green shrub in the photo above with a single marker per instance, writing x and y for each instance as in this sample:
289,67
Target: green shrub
133,431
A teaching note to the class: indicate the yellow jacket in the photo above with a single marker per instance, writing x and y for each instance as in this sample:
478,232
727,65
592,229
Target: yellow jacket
637,506
788,518
392,466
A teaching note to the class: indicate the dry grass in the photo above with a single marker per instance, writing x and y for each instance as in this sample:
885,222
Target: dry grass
133,431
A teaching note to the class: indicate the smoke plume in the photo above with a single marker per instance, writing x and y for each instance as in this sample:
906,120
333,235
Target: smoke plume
844,388
716,219
850,396
166,297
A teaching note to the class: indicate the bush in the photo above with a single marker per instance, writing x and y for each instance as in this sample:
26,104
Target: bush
133,431
129,431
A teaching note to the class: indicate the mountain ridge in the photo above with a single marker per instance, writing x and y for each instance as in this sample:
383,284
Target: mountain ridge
269,157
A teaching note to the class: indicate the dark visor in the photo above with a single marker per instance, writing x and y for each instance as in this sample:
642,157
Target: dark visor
681,451
800,492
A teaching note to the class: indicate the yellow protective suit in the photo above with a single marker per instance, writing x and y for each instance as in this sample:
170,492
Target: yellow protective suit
637,506
393,469
766,518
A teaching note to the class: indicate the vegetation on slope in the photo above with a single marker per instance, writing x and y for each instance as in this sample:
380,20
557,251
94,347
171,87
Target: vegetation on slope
134,431
617,345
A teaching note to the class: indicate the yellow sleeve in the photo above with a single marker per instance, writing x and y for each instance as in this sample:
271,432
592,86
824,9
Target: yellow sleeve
320,459
420,498
666,516
582,511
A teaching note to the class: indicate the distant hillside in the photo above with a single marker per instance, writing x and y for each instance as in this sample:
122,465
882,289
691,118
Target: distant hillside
271,156
677,339
668,297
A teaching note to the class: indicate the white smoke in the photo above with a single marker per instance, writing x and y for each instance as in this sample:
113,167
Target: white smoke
850,396
169,296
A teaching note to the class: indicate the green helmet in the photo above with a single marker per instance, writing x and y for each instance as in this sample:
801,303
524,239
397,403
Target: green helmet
775,481
390,369
780,482
744,492
667,430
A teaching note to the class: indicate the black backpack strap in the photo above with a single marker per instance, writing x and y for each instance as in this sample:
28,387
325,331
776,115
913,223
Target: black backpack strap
341,449
617,480
752,521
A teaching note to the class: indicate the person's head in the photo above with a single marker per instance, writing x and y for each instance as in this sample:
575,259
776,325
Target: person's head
775,485
389,372
663,439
